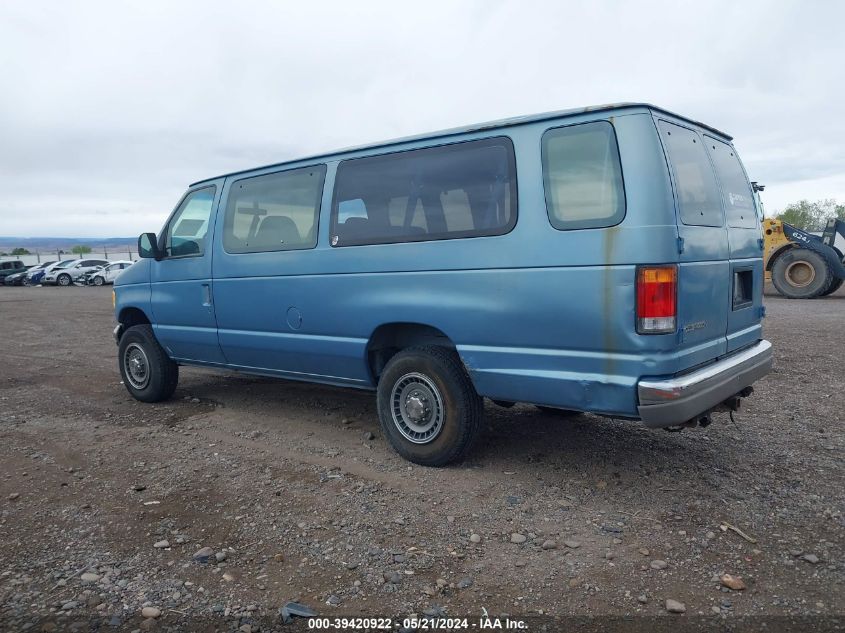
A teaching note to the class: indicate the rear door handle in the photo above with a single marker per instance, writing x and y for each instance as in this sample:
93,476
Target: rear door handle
206,295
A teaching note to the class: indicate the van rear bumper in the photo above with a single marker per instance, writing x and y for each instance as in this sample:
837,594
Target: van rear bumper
677,400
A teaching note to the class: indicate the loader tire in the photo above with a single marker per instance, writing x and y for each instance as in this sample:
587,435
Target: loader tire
801,274
836,285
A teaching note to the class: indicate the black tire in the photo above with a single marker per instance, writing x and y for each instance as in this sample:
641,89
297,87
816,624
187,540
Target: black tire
561,413
99,281
64,280
836,285
159,380
434,378
801,274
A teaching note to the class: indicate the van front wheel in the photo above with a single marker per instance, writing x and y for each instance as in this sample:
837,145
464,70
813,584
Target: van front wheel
427,406
148,373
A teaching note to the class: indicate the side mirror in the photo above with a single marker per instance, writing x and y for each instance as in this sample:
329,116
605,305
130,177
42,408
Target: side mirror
148,247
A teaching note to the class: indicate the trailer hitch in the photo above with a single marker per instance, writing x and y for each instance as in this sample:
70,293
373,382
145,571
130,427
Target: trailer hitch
731,405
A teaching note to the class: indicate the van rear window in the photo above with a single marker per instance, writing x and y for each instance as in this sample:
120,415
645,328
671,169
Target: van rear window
582,176
695,184
736,190
451,191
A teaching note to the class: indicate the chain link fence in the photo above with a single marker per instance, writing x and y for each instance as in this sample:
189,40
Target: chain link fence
112,255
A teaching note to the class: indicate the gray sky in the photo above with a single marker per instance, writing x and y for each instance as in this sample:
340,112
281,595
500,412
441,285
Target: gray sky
110,109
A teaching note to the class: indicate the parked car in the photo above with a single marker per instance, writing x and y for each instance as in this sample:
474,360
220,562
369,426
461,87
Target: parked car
35,276
603,260
68,274
85,279
10,267
49,279
30,272
107,274
16,279
81,271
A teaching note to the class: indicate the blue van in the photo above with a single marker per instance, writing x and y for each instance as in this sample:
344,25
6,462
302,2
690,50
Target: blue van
604,260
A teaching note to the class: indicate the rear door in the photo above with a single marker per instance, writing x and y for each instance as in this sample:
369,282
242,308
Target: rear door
746,245
704,271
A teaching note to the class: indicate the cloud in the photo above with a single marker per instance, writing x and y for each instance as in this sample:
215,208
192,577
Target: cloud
110,110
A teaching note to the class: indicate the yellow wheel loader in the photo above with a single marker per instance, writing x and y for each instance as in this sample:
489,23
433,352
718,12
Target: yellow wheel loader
801,265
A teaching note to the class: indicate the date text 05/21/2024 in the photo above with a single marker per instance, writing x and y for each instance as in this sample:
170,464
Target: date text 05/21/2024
483,623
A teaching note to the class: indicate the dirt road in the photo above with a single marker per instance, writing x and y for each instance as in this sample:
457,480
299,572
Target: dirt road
104,501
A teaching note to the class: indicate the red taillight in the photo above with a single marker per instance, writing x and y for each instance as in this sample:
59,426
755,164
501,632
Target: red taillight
657,292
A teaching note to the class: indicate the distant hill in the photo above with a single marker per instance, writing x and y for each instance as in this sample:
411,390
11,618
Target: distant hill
53,244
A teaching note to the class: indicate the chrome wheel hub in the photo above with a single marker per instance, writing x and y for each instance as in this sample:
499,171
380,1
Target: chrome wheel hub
417,408
416,405
136,366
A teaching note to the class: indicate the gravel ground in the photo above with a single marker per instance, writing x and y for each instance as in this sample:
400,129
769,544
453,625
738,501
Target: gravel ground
241,494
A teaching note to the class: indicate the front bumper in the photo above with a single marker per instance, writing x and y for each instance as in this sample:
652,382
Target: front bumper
677,400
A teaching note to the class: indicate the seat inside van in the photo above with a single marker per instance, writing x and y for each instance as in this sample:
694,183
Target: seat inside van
275,230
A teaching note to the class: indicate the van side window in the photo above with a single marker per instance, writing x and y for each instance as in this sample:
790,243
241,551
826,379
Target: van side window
737,197
695,184
452,191
186,231
582,176
274,212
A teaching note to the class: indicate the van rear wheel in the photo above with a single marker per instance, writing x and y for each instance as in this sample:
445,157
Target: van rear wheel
148,373
427,406
801,274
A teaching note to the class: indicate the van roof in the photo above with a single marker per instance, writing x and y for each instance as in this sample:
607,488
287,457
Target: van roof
477,127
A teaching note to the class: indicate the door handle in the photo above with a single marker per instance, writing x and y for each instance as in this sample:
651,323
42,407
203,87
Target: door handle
206,295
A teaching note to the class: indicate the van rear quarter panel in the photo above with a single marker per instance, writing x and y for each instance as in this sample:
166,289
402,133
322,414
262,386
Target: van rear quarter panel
537,315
